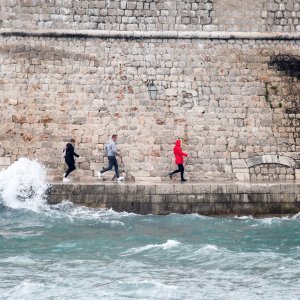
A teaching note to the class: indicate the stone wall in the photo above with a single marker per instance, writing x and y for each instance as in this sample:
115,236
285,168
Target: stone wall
271,172
282,15
208,15
253,199
230,98
222,97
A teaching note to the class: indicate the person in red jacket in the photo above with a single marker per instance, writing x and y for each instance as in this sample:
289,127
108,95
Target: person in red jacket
179,154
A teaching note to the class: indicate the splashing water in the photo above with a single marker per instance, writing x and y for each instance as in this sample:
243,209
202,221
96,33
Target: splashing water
23,185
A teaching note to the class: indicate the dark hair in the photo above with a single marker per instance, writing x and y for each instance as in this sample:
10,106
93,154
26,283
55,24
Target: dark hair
72,140
114,136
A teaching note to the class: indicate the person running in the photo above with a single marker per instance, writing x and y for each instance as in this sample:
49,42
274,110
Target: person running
179,154
69,153
111,152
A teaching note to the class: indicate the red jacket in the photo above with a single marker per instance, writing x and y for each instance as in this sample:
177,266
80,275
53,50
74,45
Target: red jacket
179,154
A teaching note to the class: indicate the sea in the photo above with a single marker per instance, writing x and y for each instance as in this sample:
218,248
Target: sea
66,251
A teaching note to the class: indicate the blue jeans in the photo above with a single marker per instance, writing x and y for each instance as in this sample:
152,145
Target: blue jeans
112,162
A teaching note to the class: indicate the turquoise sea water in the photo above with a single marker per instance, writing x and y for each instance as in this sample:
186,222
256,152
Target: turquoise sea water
69,252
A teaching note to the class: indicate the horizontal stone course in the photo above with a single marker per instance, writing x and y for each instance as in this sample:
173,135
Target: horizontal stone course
207,15
219,35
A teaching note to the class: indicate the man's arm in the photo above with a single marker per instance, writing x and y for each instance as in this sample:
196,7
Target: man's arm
114,148
73,151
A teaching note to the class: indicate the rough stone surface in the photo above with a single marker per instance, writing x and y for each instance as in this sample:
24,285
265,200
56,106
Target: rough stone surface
110,15
212,93
282,15
270,172
227,98
208,199
206,15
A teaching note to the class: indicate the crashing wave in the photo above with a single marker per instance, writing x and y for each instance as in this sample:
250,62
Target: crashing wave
23,185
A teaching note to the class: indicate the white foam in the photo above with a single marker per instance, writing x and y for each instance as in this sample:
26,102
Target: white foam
153,289
244,217
210,247
74,212
25,290
23,185
207,249
165,246
13,234
269,221
18,260
296,217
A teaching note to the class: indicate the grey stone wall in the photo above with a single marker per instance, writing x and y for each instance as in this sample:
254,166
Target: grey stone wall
229,99
207,15
215,94
108,14
282,15
271,172
205,199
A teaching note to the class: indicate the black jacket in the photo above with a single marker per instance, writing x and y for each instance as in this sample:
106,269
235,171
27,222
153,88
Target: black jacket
70,153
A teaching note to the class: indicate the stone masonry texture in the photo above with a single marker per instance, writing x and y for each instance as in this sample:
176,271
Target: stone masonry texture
207,15
254,199
227,99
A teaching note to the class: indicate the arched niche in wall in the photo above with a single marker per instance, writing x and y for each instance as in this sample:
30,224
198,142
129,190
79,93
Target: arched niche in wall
271,167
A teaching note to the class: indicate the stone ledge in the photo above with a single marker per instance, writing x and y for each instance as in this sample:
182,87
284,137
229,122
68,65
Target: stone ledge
213,35
164,198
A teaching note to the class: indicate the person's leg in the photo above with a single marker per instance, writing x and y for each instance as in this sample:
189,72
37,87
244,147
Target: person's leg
110,165
71,168
174,172
115,163
181,168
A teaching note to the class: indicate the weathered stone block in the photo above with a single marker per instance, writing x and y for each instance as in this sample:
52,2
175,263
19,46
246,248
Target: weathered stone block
218,188
163,189
157,198
5,161
239,164
111,189
183,188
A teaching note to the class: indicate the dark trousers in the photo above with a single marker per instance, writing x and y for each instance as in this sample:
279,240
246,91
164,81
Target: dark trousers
71,167
112,162
180,169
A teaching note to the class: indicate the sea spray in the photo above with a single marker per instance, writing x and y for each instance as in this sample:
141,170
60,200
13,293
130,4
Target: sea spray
23,185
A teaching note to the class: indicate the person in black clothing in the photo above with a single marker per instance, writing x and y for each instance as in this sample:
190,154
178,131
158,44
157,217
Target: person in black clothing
69,159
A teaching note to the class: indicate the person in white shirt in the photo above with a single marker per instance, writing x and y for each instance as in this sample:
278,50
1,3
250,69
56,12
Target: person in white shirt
111,152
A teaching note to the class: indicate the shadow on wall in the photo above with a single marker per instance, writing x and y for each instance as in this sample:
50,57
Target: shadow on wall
288,64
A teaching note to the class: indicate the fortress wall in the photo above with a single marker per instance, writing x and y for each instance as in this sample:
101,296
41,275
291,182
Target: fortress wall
221,96
192,15
231,90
